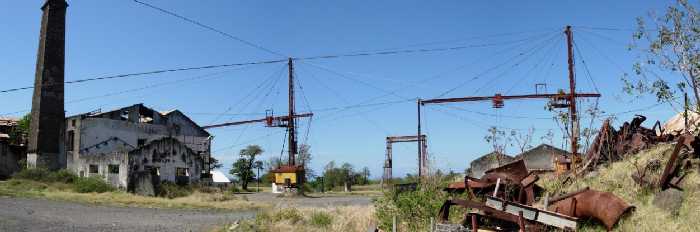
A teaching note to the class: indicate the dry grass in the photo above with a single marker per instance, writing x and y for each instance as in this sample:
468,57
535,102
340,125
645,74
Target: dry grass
62,192
616,178
342,219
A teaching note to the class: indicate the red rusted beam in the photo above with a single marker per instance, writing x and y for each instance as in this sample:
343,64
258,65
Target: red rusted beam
521,221
283,118
506,97
671,165
475,226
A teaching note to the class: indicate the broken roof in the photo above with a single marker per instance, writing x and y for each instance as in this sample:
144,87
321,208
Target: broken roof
543,149
6,121
163,114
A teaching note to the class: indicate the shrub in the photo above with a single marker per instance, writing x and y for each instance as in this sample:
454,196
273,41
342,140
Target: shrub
289,214
234,190
171,190
62,176
321,219
91,184
35,174
206,189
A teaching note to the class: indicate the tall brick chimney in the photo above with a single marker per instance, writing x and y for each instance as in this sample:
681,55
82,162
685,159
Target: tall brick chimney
48,116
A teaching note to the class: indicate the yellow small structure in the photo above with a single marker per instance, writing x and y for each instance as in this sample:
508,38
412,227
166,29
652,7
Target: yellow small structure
288,176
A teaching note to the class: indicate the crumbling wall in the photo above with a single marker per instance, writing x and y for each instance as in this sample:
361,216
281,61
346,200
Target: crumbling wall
9,159
165,157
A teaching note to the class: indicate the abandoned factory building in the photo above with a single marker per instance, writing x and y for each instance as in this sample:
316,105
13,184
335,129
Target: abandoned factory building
125,146
13,147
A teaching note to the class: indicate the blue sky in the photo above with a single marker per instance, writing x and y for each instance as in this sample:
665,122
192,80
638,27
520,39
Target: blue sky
513,46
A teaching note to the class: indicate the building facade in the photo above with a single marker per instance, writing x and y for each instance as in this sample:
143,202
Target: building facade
118,144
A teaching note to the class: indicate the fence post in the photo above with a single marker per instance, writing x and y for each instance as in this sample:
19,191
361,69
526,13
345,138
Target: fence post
393,224
432,224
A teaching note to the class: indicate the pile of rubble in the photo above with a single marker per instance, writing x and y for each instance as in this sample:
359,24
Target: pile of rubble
504,199
509,194
612,145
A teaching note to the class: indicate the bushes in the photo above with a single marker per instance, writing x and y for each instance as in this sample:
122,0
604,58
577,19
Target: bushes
44,175
35,174
63,176
413,209
91,184
171,190
321,219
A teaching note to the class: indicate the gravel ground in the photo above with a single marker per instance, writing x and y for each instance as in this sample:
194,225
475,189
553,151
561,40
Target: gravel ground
18,214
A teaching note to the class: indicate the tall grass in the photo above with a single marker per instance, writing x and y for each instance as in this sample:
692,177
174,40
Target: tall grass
340,219
616,178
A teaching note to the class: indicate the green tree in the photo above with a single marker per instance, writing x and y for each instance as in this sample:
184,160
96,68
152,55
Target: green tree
214,163
671,45
243,167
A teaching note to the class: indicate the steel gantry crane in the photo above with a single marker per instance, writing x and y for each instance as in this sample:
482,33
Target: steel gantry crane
291,175
390,140
557,100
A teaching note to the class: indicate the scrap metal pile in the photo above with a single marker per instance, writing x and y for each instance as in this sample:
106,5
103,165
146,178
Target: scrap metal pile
504,198
611,145
508,194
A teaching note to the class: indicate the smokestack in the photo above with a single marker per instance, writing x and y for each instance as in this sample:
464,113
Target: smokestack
46,143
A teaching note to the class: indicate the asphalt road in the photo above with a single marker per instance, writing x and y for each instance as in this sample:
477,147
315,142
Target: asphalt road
18,214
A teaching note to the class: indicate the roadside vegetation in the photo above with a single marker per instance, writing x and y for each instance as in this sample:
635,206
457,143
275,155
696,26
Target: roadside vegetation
341,219
66,186
414,209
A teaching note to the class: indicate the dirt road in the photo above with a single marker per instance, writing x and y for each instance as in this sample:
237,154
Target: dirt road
18,214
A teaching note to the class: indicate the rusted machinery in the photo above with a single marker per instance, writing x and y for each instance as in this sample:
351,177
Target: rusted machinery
509,193
612,145
602,206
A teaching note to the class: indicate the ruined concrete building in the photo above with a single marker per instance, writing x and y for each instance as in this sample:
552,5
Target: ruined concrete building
135,146
486,162
543,158
13,147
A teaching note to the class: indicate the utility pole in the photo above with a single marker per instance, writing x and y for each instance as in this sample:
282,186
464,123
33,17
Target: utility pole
291,126
420,144
572,98
685,112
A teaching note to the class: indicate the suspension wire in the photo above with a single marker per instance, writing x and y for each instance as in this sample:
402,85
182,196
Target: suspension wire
337,95
148,73
547,54
253,91
454,40
486,71
585,66
524,57
209,76
192,21
248,141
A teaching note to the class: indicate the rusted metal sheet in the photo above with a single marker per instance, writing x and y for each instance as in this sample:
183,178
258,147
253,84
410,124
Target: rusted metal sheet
670,169
603,206
513,172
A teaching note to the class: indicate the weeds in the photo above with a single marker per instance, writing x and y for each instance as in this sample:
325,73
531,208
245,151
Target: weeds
91,185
